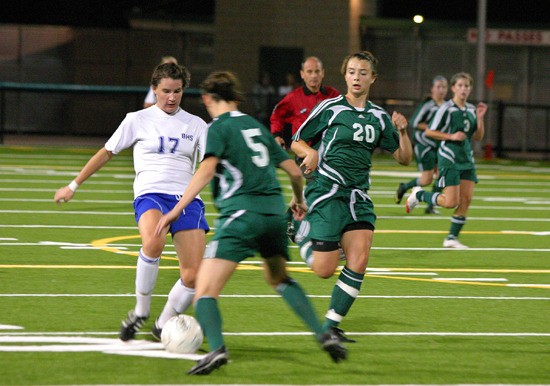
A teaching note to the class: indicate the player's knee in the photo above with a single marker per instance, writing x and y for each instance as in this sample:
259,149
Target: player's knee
189,277
153,247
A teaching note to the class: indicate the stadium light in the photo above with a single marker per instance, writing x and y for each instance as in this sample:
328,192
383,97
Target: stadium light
418,19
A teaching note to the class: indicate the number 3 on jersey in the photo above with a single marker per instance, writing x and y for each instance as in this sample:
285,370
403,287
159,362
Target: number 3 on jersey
366,133
261,159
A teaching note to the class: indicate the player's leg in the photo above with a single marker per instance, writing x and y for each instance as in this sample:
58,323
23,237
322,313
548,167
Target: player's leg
449,181
190,245
277,276
146,272
229,246
458,220
212,276
356,242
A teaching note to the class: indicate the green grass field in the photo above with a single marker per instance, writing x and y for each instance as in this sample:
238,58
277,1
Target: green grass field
425,315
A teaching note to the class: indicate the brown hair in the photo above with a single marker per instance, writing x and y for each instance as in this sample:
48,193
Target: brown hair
362,55
172,71
223,85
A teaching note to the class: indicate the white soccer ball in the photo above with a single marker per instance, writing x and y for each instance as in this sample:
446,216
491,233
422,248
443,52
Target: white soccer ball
182,334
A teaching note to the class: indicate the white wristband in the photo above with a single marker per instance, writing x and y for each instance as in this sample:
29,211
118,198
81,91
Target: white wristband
73,186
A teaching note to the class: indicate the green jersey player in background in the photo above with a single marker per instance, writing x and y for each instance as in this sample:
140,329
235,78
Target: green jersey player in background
425,148
344,132
456,124
240,158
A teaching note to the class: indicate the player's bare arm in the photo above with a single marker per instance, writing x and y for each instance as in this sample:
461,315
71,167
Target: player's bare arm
403,154
309,155
297,204
95,163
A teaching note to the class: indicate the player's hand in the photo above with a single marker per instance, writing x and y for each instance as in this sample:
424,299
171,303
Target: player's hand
481,109
399,121
63,194
165,221
299,210
309,163
458,136
280,141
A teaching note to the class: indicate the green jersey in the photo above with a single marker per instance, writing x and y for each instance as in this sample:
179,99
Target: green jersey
245,177
424,114
451,119
346,137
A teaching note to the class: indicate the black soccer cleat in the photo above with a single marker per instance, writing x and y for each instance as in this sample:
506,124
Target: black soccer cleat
341,335
156,331
131,326
332,345
431,210
210,362
401,190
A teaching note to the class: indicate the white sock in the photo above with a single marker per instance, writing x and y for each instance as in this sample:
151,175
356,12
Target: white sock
179,299
146,277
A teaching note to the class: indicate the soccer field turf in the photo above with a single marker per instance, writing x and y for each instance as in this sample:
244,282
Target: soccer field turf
425,315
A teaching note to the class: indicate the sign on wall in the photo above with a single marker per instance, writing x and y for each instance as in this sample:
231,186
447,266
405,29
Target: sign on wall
524,37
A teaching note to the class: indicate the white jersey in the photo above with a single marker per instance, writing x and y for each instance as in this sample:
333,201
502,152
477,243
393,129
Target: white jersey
166,148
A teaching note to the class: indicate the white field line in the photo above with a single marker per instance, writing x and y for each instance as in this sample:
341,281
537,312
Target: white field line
206,194
203,195
273,296
215,214
124,247
121,247
141,344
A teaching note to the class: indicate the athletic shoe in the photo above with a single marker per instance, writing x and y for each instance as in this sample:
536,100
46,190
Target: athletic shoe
332,345
156,331
131,326
453,243
412,201
431,210
401,190
341,335
210,362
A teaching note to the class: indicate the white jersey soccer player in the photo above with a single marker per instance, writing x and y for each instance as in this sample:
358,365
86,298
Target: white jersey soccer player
167,143
166,148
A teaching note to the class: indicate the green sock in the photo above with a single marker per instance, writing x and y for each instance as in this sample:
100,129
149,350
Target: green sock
435,189
210,319
297,299
411,184
429,197
457,222
344,293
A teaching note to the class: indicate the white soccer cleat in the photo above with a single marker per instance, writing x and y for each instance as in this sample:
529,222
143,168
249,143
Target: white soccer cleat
412,201
453,243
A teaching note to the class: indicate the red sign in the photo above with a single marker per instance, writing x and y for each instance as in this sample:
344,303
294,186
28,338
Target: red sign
524,37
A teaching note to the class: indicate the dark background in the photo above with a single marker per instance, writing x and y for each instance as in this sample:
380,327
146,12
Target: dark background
115,13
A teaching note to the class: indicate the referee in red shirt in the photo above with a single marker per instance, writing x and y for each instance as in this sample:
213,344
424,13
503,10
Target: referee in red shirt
295,107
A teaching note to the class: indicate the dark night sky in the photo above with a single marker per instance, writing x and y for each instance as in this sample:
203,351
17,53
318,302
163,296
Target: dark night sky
114,13
498,11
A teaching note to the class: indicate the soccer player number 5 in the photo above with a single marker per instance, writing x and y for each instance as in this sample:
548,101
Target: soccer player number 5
261,160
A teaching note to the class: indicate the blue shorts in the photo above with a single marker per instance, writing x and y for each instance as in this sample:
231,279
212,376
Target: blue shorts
193,216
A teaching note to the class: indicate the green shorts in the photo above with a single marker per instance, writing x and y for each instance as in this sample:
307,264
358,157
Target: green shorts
452,177
331,210
426,157
241,234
